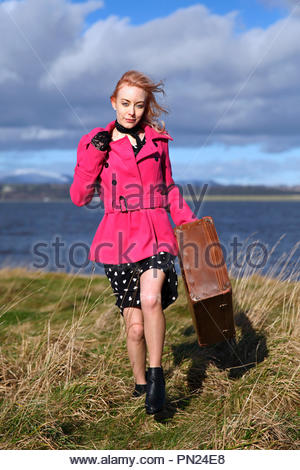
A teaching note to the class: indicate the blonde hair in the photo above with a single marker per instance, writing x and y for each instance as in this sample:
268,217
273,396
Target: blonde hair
152,109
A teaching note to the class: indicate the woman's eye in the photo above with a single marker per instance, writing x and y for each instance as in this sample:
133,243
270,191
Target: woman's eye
138,105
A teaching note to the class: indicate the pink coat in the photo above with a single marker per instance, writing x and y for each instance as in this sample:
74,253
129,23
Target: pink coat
137,193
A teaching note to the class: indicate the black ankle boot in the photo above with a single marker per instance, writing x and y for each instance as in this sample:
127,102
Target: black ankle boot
155,392
139,390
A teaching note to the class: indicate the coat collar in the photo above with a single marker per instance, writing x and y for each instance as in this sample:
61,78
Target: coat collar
149,131
154,134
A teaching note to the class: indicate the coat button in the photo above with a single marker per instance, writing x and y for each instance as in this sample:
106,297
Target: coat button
156,158
156,144
114,182
106,164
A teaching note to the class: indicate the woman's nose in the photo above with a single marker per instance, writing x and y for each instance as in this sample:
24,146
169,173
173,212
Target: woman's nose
132,111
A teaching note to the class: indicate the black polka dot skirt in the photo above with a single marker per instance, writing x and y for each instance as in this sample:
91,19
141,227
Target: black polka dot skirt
125,280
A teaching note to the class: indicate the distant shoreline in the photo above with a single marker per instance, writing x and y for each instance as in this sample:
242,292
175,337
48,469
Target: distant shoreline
236,197
221,198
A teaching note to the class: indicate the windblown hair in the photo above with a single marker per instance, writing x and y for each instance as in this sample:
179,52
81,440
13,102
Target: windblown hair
152,109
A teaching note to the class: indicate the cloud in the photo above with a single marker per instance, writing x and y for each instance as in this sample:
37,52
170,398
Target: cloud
241,170
223,86
290,4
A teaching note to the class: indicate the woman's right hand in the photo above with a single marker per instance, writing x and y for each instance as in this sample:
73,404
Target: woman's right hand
101,140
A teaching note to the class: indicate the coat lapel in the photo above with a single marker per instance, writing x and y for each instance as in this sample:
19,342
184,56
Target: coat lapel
150,148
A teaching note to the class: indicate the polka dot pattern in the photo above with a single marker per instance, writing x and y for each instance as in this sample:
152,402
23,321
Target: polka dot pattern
125,280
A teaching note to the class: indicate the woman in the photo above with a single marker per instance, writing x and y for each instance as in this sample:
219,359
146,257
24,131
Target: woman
128,162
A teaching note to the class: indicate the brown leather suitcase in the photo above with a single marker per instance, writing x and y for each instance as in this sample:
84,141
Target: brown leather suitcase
206,281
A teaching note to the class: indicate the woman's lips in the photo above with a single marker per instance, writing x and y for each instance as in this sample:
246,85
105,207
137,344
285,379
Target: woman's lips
130,120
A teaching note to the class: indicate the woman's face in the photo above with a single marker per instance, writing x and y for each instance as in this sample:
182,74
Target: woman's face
129,105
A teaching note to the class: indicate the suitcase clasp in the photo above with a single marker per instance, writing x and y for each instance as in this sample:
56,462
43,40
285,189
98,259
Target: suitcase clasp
223,305
195,297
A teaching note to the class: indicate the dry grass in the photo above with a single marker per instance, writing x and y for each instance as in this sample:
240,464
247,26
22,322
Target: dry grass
66,381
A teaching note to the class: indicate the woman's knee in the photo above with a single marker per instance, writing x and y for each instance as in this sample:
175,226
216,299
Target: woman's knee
135,332
150,301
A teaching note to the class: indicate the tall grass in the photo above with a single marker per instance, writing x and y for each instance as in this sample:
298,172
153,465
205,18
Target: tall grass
66,381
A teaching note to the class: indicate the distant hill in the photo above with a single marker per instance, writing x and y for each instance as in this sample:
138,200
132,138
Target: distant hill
198,183
32,176
215,189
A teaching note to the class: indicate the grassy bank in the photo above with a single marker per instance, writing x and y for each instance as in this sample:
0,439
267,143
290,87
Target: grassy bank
66,381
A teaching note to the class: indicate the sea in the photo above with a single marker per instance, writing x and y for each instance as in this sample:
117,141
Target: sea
255,236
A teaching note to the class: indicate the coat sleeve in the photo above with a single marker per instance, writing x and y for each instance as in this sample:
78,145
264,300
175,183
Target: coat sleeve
87,169
179,209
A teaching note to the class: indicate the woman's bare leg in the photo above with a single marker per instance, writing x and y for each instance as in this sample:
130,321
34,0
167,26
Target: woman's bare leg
136,344
151,282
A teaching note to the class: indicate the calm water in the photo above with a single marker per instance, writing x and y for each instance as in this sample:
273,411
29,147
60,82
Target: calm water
56,236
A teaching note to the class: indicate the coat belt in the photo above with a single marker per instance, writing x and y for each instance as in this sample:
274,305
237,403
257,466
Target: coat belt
145,203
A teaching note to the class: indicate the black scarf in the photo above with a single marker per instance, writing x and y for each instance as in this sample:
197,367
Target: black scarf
134,132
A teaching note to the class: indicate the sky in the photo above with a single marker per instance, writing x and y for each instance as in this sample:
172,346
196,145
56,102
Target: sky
230,72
